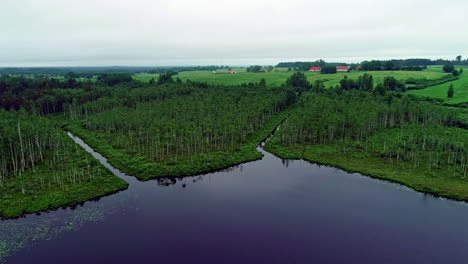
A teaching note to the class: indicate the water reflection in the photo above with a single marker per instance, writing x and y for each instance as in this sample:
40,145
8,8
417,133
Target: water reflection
168,181
267,211
287,162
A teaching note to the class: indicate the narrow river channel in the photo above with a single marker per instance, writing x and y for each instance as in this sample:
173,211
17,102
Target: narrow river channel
267,211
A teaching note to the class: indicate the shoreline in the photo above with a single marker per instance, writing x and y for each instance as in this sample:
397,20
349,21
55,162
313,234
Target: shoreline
376,168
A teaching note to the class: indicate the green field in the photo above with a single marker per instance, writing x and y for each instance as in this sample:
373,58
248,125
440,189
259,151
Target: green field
278,76
440,91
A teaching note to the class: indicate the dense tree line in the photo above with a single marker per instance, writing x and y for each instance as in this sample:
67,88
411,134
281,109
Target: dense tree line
129,97
393,127
357,114
254,68
408,64
114,79
43,95
191,121
31,143
378,65
25,92
391,65
305,65
364,83
93,71
258,68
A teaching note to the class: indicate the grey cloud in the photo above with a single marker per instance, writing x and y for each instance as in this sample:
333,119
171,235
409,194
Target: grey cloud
182,32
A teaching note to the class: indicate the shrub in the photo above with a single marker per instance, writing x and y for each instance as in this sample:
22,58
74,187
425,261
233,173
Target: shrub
328,70
450,91
298,81
448,68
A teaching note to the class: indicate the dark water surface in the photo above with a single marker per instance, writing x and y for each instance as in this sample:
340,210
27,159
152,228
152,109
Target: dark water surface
267,211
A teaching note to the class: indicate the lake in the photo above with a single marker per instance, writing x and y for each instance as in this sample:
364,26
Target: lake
266,211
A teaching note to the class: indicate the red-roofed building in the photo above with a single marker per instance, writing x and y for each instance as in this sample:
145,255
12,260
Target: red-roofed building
315,69
232,72
342,68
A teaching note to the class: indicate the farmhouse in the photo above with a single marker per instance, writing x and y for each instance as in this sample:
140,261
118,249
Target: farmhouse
315,69
342,68
232,72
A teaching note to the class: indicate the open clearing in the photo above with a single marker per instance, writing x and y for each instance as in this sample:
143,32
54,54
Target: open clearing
440,91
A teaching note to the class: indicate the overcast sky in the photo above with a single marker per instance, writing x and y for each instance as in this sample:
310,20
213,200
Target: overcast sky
228,32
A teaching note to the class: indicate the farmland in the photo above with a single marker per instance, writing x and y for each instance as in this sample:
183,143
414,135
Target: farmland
278,76
440,91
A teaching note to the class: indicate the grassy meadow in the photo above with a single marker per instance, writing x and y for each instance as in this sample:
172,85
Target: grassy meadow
279,75
440,91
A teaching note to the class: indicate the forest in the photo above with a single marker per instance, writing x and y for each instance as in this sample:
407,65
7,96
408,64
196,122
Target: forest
378,65
380,136
41,168
152,129
91,71
174,127
184,128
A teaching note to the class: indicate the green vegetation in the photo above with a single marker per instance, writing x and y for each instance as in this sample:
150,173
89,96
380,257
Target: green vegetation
201,129
450,91
448,68
258,68
398,139
439,91
278,76
182,123
364,83
42,169
328,69
298,81
417,84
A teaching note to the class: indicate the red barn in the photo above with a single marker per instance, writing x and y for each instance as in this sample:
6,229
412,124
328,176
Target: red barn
342,68
315,69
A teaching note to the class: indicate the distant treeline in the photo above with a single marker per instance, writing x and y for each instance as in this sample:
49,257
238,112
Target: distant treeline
377,65
91,71
44,95
305,65
397,65
258,68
